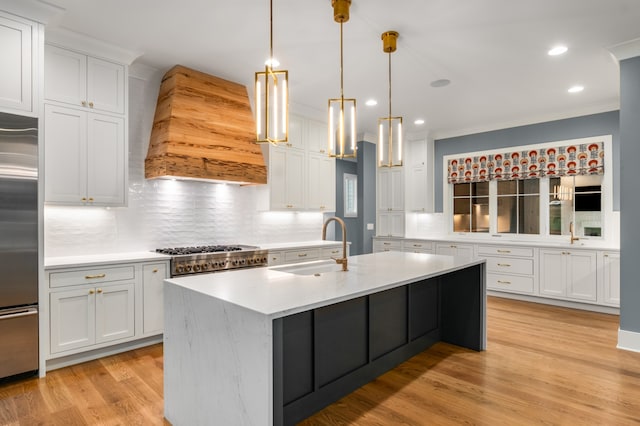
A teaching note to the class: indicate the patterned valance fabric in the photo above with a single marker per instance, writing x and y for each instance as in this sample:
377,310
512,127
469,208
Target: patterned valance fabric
582,159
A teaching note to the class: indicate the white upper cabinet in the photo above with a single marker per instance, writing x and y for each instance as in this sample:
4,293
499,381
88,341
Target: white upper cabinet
391,189
321,188
19,44
317,137
83,81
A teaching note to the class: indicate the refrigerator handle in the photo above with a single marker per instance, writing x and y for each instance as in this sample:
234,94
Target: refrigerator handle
24,313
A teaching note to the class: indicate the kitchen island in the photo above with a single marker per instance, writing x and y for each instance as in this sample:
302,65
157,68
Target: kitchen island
267,346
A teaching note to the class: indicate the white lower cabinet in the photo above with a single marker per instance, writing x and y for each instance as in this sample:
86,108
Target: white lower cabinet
510,269
98,307
305,254
391,224
91,315
610,265
455,249
387,244
568,274
153,276
417,246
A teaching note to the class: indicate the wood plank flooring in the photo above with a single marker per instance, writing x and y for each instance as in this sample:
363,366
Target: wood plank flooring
544,365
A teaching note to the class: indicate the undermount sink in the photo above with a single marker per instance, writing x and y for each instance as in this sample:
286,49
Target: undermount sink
311,268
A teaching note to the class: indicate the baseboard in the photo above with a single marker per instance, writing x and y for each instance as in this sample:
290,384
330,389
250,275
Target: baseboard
556,302
628,340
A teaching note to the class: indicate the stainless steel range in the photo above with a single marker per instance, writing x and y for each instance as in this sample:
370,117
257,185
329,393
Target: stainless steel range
214,258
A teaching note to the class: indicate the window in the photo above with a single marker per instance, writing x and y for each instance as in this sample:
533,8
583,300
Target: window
577,200
350,195
471,207
519,206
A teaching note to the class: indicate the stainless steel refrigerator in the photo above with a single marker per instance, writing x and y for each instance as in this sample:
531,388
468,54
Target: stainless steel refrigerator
18,245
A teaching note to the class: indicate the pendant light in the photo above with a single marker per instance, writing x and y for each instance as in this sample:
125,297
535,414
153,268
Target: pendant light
342,111
389,128
272,98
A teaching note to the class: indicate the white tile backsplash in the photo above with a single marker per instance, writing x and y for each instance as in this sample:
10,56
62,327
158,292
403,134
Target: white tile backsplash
164,213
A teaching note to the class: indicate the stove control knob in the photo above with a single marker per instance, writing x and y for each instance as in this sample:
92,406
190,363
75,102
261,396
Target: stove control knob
189,267
196,267
180,268
264,259
242,262
235,262
205,266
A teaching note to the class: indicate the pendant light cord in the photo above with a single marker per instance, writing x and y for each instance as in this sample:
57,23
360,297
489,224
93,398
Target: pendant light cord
270,35
389,53
341,64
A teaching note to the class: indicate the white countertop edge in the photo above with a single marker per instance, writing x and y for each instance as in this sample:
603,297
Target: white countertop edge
581,245
102,259
190,284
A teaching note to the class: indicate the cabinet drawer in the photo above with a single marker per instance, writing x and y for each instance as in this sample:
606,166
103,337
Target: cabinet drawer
418,246
511,266
505,251
91,276
275,258
301,255
330,252
382,245
510,283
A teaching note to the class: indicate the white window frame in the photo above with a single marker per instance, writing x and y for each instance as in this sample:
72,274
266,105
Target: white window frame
607,194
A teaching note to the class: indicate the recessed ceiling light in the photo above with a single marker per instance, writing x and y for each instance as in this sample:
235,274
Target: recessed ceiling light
371,102
419,121
575,89
557,50
440,83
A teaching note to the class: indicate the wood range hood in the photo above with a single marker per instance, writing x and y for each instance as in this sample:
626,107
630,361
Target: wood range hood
203,129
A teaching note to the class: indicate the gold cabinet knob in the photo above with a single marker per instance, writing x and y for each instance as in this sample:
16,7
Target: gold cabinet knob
91,291
99,291
83,199
84,103
90,104
155,270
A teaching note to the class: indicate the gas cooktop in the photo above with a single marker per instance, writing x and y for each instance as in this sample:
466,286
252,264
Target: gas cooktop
213,258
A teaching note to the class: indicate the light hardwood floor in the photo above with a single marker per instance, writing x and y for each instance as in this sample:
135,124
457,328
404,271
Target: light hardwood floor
543,365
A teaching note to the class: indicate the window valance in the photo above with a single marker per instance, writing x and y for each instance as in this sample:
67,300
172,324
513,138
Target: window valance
579,159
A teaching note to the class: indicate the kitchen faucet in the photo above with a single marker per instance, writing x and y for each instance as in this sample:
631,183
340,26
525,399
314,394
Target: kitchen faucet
343,260
571,232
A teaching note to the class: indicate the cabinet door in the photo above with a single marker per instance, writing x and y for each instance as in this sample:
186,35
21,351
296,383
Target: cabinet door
321,191
65,155
296,181
384,191
72,319
15,66
65,76
390,224
277,178
317,137
397,189
114,312
552,273
105,85
446,249
105,160
153,276
417,189
611,270
581,275
296,133
465,251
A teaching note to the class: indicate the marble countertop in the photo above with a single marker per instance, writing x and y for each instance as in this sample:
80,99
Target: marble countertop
299,244
102,259
276,293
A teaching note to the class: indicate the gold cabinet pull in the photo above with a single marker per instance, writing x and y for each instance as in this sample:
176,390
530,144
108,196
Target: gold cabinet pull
417,245
155,270
91,291
302,255
93,277
335,252
503,282
453,246
504,251
386,244
504,264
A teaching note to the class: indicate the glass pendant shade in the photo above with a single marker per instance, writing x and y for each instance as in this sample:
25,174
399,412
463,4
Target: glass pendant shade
272,98
390,141
342,128
272,106
342,111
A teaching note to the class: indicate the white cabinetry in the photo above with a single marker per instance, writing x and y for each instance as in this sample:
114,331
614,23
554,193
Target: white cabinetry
301,175
387,244
90,315
417,246
153,276
95,308
510,269
20,42
305,254
610,278
570,274
390,202
455,249
85,129
84,157
80,80
417,180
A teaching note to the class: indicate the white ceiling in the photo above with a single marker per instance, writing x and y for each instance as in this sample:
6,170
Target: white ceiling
493,51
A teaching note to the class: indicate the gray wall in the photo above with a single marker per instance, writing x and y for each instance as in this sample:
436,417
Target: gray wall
572,128
352,223
365,167
630,203
367,193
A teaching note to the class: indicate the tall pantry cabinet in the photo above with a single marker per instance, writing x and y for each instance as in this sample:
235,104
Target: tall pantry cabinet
85,128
